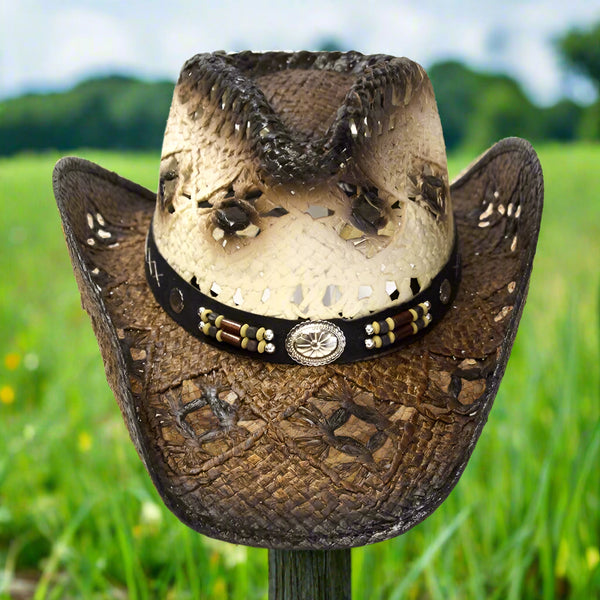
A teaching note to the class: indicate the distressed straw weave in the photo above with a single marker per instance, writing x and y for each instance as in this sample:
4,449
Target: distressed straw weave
285,456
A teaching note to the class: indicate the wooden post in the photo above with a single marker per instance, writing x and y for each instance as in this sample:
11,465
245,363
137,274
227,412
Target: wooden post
309,575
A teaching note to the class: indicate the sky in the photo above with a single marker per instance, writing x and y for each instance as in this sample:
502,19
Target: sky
52,44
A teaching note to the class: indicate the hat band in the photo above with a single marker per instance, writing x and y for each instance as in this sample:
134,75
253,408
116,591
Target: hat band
290,341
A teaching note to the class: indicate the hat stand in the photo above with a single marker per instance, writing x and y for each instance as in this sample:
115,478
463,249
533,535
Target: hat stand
315,574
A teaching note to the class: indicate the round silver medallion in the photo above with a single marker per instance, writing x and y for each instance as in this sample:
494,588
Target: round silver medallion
315,343
176,300
445,291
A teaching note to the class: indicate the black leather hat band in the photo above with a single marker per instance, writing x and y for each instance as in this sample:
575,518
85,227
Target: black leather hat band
299,341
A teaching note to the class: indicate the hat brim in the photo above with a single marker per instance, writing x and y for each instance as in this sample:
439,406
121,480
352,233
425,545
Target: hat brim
285,456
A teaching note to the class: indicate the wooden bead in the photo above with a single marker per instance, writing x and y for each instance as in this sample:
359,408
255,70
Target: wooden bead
385,340
231,326
404,331
420,324
231,339
383,327
402,319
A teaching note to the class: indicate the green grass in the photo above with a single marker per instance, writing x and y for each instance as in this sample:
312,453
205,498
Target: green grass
79,517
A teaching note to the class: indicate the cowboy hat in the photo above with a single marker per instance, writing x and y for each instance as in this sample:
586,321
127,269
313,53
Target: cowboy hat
306,327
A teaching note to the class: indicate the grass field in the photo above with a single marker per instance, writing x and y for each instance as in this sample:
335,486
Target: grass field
79,517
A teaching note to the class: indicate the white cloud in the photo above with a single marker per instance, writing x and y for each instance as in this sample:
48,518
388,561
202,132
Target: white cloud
540,72
51,43
85,40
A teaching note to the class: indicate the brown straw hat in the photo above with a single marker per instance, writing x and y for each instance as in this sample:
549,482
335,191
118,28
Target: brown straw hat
299,356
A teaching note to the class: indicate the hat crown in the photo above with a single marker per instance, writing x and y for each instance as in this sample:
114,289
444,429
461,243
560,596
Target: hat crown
309,185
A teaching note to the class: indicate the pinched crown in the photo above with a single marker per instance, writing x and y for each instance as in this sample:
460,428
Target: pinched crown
309,185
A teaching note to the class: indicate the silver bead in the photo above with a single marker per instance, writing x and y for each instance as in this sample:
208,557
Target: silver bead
369,329
270,348
427,318
201,310
269,335
369,343
427,304
176,300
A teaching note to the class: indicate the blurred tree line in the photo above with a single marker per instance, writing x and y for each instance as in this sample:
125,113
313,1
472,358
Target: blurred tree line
111,112
476,108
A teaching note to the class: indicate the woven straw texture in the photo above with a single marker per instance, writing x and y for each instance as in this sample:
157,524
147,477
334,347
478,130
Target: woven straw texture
294,136
286,456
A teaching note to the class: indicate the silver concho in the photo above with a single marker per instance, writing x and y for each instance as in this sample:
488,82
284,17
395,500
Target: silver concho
176,300
445,291
315,343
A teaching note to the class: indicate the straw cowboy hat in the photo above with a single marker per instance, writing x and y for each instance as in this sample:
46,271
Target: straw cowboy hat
306,327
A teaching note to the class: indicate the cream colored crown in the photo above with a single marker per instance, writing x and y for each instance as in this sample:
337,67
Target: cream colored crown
353,242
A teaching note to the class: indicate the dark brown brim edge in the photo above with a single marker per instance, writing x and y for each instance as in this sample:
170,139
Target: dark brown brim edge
116,369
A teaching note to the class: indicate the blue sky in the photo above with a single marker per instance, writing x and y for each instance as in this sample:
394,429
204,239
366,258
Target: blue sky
52,44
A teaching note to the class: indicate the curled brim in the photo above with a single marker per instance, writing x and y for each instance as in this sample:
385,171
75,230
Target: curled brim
287,456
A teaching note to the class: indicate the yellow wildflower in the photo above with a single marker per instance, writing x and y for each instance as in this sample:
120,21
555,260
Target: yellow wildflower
219,589
562,558
592,556
84,441
7,394
12,361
